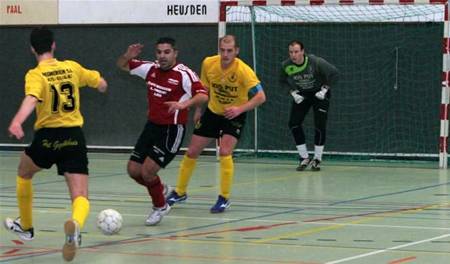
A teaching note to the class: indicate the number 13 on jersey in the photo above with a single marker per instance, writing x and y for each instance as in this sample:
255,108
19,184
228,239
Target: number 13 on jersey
63,98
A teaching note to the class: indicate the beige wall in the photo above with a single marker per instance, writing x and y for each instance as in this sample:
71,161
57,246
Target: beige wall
26,12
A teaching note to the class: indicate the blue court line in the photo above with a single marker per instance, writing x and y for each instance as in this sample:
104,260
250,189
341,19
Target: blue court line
228,222
62,180
389,194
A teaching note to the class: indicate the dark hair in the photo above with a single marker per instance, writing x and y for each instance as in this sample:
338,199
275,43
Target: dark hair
166,40
296,42
41,39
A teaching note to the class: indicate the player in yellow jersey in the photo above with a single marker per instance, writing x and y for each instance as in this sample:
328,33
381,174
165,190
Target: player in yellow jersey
52,88
234,89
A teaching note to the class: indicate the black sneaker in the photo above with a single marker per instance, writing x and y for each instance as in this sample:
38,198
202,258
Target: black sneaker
315,165
174,198
303,164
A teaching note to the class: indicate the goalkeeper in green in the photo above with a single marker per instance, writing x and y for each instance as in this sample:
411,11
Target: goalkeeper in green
308,79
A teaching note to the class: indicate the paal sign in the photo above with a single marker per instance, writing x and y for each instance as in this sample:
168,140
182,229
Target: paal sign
13,9
28,12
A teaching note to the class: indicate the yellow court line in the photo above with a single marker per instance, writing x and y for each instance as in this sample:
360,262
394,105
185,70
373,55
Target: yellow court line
338,226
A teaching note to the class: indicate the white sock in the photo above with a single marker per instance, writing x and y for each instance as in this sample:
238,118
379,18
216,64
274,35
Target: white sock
318,151
302,151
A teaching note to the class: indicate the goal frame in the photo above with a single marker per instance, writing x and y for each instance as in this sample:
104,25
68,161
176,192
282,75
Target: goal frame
444,106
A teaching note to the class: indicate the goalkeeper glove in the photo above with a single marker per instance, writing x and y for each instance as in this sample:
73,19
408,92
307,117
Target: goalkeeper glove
323,91
297,97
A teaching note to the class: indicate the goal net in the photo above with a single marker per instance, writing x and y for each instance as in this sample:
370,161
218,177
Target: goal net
390,57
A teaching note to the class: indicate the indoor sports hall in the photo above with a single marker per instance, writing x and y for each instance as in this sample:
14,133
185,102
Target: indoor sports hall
382,195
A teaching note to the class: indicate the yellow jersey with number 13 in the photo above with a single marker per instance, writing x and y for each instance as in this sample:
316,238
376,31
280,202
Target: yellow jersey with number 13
56,86
229,87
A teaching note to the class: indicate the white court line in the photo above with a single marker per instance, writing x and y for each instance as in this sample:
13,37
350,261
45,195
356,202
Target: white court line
387,249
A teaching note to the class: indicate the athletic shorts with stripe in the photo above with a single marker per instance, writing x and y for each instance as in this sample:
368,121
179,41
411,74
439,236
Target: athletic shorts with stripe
158,142
212,125
64,146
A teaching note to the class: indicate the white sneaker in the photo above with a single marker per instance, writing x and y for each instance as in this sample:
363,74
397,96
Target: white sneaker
157,215
73,239
15,227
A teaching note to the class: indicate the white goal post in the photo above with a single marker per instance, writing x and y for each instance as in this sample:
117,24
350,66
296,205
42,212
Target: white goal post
385,9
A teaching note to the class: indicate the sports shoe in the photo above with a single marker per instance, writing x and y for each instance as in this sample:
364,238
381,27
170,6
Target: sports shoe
73,239
174,198
303,164
220,205
315,165
157,215
15,227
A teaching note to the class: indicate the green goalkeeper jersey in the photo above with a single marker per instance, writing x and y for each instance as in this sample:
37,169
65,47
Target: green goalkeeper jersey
308,77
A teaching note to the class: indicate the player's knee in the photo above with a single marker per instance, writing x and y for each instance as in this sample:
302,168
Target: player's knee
193,153
294,125
133,170
321,127
225,151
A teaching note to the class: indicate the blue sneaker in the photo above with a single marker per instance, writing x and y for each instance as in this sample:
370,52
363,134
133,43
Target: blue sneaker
174,198
220,205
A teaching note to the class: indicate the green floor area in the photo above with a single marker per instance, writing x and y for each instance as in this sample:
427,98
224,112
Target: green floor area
367,212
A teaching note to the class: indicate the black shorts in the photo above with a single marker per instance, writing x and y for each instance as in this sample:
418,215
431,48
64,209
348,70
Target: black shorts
212,125
158,142
65,147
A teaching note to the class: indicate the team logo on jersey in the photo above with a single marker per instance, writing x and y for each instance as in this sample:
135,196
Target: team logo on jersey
173,81
232,77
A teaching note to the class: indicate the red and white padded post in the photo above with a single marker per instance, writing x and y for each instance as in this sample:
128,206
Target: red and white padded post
443,139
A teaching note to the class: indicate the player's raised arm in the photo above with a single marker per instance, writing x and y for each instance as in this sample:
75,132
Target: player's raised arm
132,52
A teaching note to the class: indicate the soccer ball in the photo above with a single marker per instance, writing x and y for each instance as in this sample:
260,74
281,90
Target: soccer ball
109,221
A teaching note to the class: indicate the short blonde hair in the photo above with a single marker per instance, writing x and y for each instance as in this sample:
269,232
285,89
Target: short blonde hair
229,39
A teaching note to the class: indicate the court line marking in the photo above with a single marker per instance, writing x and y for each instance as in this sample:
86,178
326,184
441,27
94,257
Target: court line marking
255,220
283,212
389,194
397,261
336,226
386,249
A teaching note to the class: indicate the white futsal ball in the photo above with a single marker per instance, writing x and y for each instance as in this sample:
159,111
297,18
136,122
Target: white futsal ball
109,221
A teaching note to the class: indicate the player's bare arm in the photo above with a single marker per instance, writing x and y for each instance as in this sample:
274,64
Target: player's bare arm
28,105
132,52
197,100
234,111
198,114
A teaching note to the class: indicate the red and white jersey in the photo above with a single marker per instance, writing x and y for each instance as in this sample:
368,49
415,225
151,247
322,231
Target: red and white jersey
177,84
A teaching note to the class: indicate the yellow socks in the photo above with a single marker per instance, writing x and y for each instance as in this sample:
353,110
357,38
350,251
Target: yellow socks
187,166
80,210
226,175
24,193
